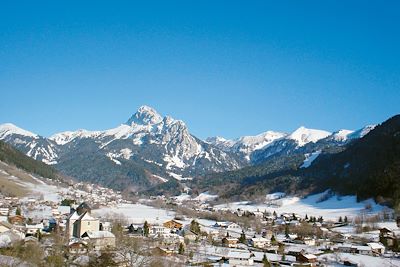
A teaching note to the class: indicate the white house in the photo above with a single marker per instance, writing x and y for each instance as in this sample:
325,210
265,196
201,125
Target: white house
100,239
158,230
377,248
238,257
32,229
260,242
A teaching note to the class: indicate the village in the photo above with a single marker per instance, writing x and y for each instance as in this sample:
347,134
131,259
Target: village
70,231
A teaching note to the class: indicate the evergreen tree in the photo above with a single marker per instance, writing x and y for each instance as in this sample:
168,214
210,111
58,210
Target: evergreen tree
18,211
242,238
39,235
181,249
265,261
286,231
340,219
146,229
306,218
195,227
345,219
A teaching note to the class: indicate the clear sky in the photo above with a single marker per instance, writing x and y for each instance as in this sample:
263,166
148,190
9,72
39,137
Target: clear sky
227,68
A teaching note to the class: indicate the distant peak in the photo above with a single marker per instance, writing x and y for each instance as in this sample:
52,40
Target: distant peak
9,128
145,115
304,135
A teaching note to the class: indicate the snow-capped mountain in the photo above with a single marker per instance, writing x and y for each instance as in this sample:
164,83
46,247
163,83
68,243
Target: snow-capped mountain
257,149
158,146
246,145
148,149
304,136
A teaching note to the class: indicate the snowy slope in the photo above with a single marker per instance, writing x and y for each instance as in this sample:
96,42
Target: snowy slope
8,129
304,135
246,145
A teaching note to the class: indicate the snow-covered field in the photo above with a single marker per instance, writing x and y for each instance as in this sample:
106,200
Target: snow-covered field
361,260
136,213
331,208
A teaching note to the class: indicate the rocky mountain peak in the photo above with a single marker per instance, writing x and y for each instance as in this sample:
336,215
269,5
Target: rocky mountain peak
145,115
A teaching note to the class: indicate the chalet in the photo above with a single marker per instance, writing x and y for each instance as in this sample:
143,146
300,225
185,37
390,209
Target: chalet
4,211
238,257
229,226
260,242
377,248
100,239
230,242
157,230
158,251
173,224
311,259
33,229
77,246
390,238
135,230
309,241
364,250
17,219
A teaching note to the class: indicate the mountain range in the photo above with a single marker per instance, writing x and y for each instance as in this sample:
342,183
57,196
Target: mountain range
151,151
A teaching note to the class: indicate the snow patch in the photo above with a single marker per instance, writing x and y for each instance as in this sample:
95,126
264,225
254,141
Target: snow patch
310,157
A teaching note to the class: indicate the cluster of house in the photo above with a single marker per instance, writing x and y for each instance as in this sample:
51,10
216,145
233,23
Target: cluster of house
81,229
94,194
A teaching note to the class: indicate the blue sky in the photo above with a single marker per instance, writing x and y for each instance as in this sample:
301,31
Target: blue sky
227,68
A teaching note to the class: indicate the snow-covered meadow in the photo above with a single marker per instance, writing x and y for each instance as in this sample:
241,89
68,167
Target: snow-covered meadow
135,213
331,208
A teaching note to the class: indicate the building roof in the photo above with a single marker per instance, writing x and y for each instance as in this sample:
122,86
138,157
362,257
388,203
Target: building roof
259,239
86,217
374,245
6,224
73,216
239,254
309,256
98,234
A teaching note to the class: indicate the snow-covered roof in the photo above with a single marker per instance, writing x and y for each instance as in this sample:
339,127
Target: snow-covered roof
310,256
374,245
99,234
259,239
239,254
74,216
86,217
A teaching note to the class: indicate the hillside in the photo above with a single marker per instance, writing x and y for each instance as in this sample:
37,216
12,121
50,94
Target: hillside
10,155
369,167
17,172
366,167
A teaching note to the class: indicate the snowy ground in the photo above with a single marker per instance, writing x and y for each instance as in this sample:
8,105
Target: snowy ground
362,260
331,208
136,213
